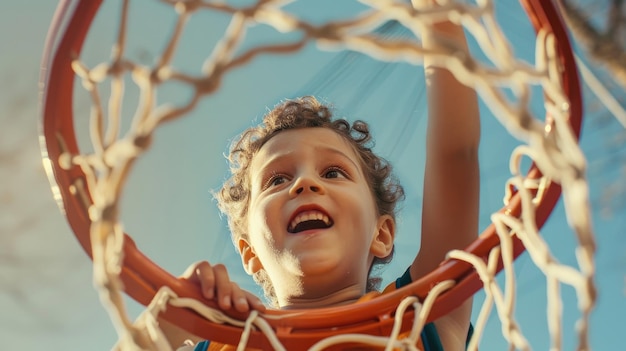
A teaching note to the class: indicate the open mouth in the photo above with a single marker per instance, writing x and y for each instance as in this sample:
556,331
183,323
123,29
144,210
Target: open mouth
308,220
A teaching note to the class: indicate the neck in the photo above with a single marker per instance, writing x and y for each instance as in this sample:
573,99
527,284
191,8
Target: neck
341,297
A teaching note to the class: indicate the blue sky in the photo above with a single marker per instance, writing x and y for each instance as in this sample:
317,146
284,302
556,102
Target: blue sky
46,293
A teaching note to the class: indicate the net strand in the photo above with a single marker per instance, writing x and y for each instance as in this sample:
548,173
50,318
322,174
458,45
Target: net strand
166,296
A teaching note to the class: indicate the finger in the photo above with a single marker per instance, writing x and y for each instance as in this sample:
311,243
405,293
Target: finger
240,300
204,275
254,301
188,273
223,286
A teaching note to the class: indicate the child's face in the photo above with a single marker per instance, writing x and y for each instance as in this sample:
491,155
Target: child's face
312,220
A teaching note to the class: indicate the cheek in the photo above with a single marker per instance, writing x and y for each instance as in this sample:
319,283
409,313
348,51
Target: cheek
366,202
264,220
369,213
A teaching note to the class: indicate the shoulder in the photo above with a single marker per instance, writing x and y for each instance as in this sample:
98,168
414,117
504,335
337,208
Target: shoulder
455,329
450,332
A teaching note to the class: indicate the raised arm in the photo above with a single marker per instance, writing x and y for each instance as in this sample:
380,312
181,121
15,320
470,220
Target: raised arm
451,181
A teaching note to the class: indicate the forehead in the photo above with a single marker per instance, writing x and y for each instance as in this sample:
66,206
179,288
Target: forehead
292,141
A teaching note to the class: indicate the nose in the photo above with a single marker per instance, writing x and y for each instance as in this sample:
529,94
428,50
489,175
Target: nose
306,183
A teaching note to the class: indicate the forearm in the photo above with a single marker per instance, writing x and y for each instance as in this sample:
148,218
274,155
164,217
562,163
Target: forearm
454,124
451,181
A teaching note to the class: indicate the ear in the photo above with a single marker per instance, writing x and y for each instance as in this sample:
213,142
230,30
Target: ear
382,243
249,259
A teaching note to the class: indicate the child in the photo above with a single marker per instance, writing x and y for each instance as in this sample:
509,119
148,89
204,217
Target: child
312,209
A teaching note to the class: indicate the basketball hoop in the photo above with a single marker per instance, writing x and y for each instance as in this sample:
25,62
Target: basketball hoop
87,186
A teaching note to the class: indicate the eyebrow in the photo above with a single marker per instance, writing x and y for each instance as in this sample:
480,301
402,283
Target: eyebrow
279,156
338,152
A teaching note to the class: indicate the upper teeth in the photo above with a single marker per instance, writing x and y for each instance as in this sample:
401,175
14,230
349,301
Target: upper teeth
308,216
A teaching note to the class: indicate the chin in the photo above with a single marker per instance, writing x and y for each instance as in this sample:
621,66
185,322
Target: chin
329,265
318,265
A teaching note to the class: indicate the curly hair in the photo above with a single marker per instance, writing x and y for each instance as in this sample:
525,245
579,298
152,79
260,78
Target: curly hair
305,112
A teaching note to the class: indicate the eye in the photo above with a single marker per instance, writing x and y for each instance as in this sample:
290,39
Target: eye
335,172
275,180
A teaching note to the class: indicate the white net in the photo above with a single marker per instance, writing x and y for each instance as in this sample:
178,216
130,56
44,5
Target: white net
503,81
